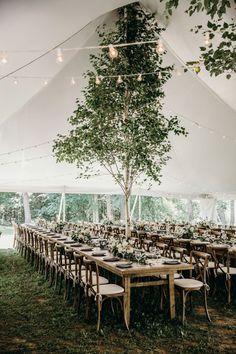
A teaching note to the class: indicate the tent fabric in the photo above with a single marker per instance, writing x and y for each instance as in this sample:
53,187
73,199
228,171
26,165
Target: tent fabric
32,114
208,209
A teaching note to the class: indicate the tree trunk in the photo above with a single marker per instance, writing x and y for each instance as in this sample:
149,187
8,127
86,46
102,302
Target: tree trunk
26,208
127,215
122,208
232,212
140,208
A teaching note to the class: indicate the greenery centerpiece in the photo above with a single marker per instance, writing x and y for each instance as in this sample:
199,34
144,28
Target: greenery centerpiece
119,124
188,231
123,247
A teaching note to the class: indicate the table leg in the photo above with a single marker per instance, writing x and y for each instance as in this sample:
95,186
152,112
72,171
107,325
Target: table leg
126,285
171,295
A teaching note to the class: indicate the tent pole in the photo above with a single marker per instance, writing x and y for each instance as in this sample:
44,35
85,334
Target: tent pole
139,207
64,206
26,204
60,208
134,205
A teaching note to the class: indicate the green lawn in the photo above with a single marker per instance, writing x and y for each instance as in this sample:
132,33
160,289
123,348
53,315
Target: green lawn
35,320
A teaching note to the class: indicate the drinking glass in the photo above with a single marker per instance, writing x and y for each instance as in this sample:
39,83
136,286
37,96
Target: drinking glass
138,255
153,250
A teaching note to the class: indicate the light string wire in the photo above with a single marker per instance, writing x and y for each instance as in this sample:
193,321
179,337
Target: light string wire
118,45
179,181
11,74
48,51
100,76
210,130
171,112
26,148
22,161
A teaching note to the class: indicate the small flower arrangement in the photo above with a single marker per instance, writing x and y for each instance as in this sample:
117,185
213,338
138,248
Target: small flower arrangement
82,235
107,222
125,248
60,226
40,222
188,231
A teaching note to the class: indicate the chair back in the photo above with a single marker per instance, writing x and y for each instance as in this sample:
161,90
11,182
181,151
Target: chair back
200,262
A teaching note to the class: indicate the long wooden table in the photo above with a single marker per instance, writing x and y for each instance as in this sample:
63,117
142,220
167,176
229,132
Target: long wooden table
131,276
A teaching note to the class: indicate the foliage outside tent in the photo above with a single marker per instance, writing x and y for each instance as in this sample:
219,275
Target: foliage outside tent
80,208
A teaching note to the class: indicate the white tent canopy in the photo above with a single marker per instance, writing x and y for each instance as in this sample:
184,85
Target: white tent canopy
31,113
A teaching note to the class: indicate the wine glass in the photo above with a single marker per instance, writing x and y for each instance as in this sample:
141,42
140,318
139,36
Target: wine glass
153,250
138,255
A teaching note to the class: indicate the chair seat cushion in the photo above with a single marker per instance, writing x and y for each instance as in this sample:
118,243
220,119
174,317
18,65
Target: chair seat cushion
211,265
187,259
102,280
232,270
176,276
188,283
109,289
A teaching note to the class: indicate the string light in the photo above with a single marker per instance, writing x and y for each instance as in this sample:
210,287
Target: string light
159,76
25,160
197,68
178,72
26,148
160,47
200,126
4,59
113,52
207,40
45,82
72,81
15,82
98,80
139,78
59,58
119,80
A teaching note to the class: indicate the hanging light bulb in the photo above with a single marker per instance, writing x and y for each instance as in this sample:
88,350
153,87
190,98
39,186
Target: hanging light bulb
178,72
119,80
59,56
15,82
207,40
98,80
139,78
113,52
159,75
197,68
160,47
72,81
4,58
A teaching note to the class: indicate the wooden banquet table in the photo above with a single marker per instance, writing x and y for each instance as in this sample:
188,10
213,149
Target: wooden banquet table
131,276
140,271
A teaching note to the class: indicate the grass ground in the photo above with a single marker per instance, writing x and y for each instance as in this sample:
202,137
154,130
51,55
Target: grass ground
35,320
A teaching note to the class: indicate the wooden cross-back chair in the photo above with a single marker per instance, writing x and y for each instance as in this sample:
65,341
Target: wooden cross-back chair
229,271
199,284
101,291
